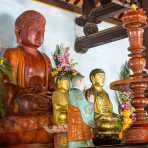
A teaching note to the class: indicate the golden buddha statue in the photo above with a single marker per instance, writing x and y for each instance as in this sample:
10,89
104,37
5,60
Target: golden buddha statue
106,122
60,109
60,101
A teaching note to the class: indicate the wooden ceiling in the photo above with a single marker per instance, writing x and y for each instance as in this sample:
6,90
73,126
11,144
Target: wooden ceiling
77,3
94,12
76,7
70,5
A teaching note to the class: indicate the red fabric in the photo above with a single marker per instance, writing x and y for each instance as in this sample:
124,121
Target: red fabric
77,129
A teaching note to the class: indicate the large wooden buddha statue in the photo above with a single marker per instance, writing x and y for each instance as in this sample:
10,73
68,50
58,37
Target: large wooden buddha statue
28,102
107,124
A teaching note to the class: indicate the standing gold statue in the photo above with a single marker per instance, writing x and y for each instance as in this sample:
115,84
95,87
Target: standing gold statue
60,110
60,101
107,124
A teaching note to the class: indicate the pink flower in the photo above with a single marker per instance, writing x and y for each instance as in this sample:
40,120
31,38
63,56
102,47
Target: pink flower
125,106
59,66
133,117
122,106
67,68
62,60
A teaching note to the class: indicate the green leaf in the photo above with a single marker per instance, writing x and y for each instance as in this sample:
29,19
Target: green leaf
5,70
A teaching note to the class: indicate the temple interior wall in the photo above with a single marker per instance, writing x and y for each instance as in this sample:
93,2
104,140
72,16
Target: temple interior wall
61,29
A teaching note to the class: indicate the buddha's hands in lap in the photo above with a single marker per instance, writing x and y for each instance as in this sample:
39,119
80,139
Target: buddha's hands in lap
32,101
108,121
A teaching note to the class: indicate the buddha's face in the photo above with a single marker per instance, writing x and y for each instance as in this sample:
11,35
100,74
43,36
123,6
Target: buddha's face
31,35
98,79
63,84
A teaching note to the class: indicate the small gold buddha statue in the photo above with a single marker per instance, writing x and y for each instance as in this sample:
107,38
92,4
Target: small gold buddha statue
106,122
60,100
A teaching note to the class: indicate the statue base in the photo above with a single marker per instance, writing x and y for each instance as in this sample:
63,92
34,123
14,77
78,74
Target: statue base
60,140
135,135
106,140
30,146
123,146
15,130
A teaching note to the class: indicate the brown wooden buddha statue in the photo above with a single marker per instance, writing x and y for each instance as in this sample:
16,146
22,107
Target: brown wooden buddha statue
28,102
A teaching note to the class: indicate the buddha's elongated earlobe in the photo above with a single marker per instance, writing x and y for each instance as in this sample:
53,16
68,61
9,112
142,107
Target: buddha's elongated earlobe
92,79
18,32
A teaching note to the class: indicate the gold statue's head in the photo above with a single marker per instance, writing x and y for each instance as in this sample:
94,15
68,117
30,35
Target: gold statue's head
97,77
63,83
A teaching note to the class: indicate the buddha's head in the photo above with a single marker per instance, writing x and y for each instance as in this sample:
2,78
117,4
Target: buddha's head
78,81
63,83
97,77
30,28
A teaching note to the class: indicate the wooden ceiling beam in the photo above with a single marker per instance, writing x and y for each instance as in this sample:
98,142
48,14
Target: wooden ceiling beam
76,9
103,14
76,2
73,8
115,21
82,44
109,10
63,4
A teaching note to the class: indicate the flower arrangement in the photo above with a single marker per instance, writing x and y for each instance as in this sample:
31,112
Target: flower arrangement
64,66
5,71
124,98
